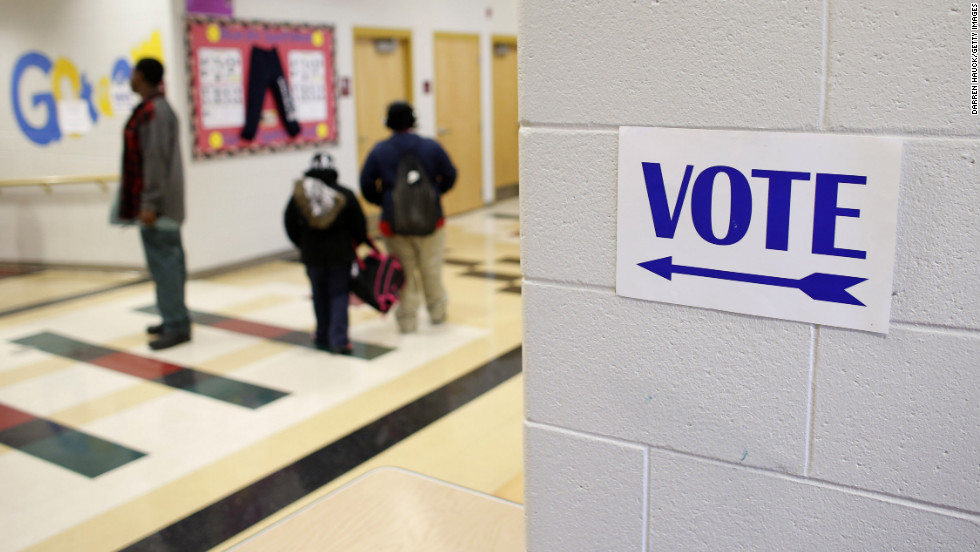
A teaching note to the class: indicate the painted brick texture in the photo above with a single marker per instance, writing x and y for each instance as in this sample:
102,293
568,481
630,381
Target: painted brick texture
669,63
900,67
681,378
704,506
591,482
900,414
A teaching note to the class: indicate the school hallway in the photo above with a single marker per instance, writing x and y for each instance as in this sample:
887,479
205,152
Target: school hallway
107,445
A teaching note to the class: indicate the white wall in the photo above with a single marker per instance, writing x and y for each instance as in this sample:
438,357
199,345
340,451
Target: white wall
234,205
660,427
70,224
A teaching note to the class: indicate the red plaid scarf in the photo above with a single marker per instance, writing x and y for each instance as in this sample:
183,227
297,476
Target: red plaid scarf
131,186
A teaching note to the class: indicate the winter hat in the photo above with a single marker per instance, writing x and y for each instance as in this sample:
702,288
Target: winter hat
322,161
400,116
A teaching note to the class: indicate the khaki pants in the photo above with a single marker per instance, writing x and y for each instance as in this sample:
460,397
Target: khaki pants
421,256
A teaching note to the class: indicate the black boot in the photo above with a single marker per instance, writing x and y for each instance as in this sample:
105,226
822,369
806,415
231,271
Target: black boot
165,341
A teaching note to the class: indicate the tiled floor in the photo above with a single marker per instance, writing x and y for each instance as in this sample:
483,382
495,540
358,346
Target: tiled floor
107,445
22,289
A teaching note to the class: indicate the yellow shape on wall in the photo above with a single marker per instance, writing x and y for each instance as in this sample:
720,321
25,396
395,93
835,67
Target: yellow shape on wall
321,130
213,33
102,93
65,69
317,38
216,140
151,48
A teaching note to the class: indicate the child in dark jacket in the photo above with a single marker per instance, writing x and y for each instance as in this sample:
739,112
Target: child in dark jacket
325,221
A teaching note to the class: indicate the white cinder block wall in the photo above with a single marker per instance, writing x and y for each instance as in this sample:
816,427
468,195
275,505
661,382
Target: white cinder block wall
660,427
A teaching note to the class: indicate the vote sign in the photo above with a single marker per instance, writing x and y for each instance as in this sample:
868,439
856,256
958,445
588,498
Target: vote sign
783,225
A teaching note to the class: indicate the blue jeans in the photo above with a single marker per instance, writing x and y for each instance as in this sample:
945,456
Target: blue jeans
165,260
331,297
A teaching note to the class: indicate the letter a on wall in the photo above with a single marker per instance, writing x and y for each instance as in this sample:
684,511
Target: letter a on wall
790,226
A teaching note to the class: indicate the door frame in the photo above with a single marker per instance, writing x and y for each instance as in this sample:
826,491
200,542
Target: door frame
510,40
482,67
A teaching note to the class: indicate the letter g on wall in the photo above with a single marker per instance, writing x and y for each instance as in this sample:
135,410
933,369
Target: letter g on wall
49,131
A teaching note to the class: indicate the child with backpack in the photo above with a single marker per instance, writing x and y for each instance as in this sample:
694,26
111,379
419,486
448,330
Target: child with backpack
325,221
406,175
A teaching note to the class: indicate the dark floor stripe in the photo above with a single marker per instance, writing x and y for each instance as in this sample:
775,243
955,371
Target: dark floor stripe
235,513
506,216
42,304
490,275
461,262
510,260
165,373
512,289
61,445
366,351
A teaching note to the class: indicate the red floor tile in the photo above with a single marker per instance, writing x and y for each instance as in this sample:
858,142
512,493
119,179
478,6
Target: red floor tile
146,368
11,417
252,328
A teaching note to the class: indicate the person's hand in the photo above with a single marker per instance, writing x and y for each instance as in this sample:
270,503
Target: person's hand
148,218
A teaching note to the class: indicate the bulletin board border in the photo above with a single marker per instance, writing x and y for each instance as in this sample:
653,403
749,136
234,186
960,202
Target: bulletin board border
190,20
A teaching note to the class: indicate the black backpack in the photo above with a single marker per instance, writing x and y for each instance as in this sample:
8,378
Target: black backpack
415,201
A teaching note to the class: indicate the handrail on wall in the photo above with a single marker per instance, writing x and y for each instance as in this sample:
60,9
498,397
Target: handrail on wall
46,182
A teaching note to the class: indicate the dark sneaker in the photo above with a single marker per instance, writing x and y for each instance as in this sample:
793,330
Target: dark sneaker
165,341
155,330
345,350
322,346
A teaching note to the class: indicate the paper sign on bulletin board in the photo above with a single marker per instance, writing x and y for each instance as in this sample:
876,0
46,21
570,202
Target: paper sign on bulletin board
258,86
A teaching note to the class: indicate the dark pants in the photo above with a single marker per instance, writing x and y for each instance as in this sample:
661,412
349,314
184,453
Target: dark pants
331,296
264,71
165,260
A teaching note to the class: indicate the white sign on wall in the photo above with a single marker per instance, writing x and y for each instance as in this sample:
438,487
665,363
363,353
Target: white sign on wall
790,226
308,84
73,116
220,74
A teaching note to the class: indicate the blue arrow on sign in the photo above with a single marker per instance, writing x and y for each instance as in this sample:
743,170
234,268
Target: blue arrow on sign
819,286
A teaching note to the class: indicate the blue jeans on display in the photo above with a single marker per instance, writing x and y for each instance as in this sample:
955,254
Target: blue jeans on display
331,297
165,260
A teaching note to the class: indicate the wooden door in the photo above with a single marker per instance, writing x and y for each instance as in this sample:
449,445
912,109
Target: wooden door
458,117
505,117
382,74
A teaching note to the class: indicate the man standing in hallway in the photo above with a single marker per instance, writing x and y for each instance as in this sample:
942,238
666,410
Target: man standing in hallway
421,255
152,193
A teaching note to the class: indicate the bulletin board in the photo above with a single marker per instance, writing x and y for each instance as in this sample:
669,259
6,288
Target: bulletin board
230,60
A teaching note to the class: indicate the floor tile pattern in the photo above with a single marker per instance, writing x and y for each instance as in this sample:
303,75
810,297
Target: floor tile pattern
211,526
366,351
165,373
66,447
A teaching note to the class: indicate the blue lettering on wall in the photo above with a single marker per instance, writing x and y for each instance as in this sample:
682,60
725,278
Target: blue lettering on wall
49,131
121,71
740,214
664,222
86,94
826,211
777,217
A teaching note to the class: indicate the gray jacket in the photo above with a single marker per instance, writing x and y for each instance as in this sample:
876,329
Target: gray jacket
163,169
